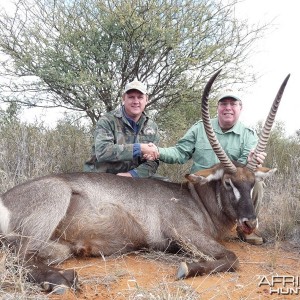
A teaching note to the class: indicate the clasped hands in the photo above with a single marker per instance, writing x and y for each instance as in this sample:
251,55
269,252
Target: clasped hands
150,151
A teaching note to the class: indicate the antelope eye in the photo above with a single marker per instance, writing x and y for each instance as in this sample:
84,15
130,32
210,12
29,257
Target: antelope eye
227,184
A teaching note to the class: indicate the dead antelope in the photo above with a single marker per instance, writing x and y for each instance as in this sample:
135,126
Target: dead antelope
49,219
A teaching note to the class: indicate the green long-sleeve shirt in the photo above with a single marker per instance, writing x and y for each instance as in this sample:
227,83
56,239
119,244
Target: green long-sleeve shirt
236,142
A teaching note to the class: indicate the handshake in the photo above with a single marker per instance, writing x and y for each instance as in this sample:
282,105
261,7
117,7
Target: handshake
149,151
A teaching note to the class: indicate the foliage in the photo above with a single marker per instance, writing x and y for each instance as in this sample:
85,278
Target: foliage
280,211
283,152
79,54
32,150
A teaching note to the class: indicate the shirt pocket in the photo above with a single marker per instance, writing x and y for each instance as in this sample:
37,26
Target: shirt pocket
204,156
146,138
234,153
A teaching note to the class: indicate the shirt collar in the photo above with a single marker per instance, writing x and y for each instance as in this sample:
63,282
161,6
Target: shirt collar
236,128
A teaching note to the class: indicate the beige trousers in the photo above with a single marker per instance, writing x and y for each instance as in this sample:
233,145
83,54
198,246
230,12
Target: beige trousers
257,195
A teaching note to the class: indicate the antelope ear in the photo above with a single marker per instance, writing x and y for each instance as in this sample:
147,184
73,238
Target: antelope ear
205,175
194,178
261,173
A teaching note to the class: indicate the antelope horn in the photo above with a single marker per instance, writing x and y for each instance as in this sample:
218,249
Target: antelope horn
222,156
265,134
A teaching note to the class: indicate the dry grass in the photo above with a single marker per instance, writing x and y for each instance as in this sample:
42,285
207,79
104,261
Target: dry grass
13,284
29,151
280,211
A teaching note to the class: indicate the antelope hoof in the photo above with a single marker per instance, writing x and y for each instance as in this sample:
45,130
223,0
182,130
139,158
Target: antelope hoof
182,271
60,290
57,289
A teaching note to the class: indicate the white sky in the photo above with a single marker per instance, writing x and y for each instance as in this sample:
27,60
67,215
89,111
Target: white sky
277,55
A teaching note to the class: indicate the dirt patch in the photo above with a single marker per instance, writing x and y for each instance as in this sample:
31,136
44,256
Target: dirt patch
152,276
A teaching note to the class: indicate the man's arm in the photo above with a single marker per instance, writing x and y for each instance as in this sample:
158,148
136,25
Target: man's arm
180,153
147,167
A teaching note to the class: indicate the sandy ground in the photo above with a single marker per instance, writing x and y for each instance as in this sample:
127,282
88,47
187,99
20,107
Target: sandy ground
152,276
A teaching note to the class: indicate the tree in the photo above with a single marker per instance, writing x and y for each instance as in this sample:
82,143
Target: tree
79,54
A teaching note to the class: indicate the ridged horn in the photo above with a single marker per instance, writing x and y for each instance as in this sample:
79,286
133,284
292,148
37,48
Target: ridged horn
265,134
222,156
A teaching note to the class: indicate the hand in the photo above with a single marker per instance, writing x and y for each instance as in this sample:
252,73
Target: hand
149,151
260,157
125,174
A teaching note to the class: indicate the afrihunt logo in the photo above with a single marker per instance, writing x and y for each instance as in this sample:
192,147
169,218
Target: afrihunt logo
281,284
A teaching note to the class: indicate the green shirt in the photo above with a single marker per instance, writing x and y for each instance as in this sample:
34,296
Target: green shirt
236,142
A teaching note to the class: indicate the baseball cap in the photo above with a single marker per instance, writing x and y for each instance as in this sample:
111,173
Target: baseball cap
136,85
229,94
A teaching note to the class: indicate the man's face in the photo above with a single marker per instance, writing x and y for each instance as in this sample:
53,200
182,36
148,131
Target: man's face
134,103
229,111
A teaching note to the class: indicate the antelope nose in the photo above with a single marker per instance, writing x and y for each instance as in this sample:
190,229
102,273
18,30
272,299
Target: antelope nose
252,223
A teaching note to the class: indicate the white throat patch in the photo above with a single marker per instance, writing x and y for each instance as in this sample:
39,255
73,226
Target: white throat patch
236,192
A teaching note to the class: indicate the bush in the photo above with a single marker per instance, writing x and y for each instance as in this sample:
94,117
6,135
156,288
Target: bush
28,151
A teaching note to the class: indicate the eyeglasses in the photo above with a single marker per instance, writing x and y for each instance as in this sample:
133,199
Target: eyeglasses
232,104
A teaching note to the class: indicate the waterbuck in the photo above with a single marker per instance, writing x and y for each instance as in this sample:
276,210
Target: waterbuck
49,219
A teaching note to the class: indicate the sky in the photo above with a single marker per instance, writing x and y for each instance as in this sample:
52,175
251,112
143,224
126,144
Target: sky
276,56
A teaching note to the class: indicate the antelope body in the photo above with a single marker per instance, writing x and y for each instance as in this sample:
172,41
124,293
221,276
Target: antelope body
51,218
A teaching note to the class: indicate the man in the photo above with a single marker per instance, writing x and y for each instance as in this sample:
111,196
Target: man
237,140
121,136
